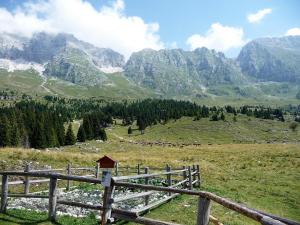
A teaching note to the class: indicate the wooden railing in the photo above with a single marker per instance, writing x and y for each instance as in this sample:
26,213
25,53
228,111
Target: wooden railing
176,182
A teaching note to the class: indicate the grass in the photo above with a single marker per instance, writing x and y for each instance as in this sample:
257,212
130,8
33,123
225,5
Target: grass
245,130
260,175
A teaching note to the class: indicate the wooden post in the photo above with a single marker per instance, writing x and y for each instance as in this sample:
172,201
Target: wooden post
204,206
190,178
269,221
69,173
27,180
199,176
138,169
117,169
194,175
147,182
184,176
107,203
52,199
97,171
169,177
4,194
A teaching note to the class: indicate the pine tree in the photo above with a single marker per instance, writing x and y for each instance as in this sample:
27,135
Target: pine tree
87,128
81,137
222,117
103,135
4,132
129,131
70,138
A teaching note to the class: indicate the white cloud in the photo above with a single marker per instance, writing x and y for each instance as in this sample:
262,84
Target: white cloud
257,17
108,27
218,37
293,31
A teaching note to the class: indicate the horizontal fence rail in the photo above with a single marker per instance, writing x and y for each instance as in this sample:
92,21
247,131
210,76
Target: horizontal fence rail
175,182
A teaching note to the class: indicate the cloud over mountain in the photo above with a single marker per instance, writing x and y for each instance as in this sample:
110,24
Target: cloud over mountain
218,37
107,27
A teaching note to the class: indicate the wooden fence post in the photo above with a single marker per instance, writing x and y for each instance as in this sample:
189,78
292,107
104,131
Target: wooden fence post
204,206
117,169
97,171
107,203
199,176
169,177
4,193
69,172
147,182
190,178
138,169
194,174
52,199
184,176
27,179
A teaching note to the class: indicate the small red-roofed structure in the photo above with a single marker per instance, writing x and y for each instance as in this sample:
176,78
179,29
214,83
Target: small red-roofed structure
106,162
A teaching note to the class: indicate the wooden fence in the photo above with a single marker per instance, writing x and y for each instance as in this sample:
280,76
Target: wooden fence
175,182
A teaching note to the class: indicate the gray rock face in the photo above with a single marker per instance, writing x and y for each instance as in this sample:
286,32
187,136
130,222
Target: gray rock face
63,55
184,72
272,59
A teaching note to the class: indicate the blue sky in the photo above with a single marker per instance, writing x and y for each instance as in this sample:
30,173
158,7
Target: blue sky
220,24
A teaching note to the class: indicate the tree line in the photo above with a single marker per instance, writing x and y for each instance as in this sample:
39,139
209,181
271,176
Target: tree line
35,125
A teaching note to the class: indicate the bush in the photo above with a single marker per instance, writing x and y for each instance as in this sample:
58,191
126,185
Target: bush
293,126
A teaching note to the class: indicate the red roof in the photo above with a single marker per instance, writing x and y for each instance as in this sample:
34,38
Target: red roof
106,162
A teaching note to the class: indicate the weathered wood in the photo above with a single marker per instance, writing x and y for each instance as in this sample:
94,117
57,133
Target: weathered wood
97,171
53,175
283,220
269,221
214,220
190,178
52,199
27,180
107,203
222,201
132,196
4,194
180,183
138,169
194,173
199,176
145,175
204,206
117,169
147,182
69,172
169,177
143,220
27,196
184,176
155,204
115,212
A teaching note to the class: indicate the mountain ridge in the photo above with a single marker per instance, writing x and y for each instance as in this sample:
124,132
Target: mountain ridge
167,72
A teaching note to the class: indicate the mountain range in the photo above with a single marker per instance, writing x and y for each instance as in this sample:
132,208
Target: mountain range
264,67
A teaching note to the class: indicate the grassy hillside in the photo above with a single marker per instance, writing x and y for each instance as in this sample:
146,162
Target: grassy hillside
117,86
244,130
263,176
31,83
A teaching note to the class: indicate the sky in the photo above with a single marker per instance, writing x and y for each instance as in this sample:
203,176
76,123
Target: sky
128,26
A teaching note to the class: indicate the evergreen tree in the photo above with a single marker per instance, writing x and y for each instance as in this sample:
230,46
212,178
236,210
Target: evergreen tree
129,131
70,138
87,128
222,117
4,132
103,135
81,137
38,138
